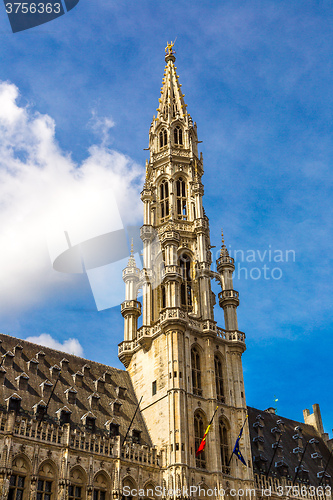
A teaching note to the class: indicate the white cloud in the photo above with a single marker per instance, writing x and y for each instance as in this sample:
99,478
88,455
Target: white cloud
101,125
72,346
37,180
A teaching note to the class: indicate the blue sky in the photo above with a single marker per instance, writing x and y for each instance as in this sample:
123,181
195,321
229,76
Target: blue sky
257,78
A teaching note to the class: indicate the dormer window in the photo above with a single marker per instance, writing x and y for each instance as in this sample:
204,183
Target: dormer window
178,136
121,392
55,371
40,409
65,417
46,388
14,403
90,424
22,381
163,138
71,394
100,384
89,421
164,200
78,379
94,401
114,430
136,436
116,406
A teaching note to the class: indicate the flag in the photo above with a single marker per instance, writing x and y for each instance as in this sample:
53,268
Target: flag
236,449
203,441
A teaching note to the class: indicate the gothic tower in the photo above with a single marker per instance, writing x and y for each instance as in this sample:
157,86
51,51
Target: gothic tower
179,360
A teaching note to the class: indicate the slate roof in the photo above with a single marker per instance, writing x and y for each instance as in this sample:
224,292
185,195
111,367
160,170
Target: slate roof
293,440
30,371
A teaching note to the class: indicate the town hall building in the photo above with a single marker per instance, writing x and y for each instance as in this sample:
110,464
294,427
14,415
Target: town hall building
73,429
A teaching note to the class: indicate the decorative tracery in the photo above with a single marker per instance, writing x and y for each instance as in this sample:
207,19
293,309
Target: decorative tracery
219,378
178,135
163,138
186,285
224,447
164,200
181,199
196,371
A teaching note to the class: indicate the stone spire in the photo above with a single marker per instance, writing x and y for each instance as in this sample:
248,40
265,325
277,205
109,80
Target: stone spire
171,103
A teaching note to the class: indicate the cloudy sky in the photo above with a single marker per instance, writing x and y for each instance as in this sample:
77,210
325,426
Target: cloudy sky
77,97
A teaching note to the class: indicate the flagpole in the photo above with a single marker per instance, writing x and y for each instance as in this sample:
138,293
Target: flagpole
205,435
236,440
41,418
329,458
130,425
270,465
211,420
300,463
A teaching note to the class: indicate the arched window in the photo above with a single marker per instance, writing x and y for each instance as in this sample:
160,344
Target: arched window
149,490
130,486
76,488
164,200
219,379
199,430
100,487
46,482
16,487
224,447
19,481
163,138
178,135
181,199
196,371
186,285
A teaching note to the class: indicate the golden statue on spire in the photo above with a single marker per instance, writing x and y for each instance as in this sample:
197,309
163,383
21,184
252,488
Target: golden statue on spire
168,48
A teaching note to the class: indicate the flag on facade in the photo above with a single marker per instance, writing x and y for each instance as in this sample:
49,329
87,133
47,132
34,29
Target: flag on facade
236,449
203,441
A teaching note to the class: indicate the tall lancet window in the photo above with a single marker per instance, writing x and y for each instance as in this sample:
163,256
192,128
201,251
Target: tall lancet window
186,285
196,371
181,199
219,379
224,447
174,109
178,135
163,138
199,431
164,201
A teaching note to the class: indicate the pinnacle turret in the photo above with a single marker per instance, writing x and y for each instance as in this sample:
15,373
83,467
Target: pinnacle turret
131,260
224,251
